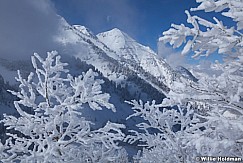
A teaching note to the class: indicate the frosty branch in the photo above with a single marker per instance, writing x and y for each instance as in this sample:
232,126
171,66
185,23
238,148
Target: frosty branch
226,40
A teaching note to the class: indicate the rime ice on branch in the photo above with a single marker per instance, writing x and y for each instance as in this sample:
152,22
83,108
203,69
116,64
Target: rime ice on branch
55,130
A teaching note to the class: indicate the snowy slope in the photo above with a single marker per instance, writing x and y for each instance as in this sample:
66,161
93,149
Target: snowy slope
186,73
110,62
137,55
78,41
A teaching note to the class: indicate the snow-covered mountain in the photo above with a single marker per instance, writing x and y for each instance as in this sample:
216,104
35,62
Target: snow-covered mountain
116,62
138,56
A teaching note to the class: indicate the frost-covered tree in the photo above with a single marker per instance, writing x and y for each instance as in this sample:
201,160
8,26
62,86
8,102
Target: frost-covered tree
207,115
163,132
55,130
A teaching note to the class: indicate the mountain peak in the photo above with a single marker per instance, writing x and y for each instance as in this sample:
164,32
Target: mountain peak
115,39
116,31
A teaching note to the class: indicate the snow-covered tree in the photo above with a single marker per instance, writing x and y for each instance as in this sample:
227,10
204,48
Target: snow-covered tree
207,114
163,132
55,130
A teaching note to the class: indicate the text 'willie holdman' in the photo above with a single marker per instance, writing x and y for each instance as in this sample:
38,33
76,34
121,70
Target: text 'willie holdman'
218,159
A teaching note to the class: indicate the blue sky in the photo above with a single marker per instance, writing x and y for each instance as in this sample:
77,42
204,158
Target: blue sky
144,20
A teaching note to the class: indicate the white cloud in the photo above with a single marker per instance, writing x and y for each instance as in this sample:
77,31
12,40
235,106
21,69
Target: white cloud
172,57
